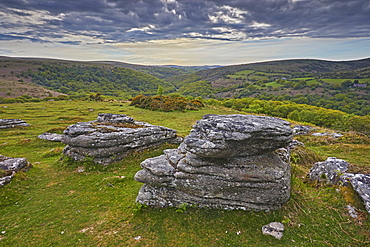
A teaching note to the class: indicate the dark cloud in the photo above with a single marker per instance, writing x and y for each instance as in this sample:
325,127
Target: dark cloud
73,22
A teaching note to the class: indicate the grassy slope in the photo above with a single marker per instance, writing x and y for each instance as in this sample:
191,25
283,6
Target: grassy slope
12,86
54,204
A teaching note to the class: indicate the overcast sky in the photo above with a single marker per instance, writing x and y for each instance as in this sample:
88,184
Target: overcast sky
185,32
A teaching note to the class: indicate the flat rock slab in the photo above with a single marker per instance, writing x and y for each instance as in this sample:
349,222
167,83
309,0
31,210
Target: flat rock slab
112,137
51,137
12,123
237,135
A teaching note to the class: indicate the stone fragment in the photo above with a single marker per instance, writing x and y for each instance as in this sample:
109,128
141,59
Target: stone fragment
334,135
51,137
244,176
5,180
12,123
352,211
274,229
112,137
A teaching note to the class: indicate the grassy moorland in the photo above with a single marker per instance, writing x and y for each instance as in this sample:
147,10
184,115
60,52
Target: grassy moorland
63,203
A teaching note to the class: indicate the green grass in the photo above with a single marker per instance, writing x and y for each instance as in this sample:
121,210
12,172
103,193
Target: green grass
274,84
333,81
58,204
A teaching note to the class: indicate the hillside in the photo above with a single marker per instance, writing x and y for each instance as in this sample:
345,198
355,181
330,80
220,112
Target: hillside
334,85
162,72
76,78
12,85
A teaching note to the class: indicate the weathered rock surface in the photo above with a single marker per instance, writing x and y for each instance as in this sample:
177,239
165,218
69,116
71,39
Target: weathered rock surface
274,229
10,166
12,123
112,137
361,184
329,170
221,164
51,137
302,130
333,171
237,135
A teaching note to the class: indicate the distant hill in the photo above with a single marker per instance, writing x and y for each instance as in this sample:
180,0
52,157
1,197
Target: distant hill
343,85
338,85
295,66
160,71
78,77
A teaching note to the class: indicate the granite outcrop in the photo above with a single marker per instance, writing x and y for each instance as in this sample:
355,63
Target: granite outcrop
112,137
227,162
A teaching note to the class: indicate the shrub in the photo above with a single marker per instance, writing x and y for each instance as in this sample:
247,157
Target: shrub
166,103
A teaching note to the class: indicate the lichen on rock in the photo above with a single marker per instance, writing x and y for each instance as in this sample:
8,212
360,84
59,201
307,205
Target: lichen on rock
112,137
227,162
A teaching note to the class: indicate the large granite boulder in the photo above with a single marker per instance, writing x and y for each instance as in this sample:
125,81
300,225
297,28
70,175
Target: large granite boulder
9,166
12,123
226,162
112,137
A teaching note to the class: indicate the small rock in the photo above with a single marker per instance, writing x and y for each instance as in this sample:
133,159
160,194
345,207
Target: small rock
11,166
352,211
302,130
51,137
274,229
319,134
337,135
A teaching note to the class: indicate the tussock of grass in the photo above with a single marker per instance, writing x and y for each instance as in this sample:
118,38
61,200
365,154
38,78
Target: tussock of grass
68,203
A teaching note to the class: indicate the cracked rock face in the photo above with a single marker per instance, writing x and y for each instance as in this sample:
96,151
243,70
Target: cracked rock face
112,137
230,169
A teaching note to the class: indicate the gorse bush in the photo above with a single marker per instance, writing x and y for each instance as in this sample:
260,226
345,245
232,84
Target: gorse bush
166,103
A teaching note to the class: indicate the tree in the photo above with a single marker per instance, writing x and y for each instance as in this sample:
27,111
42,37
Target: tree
160,91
